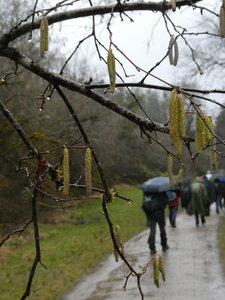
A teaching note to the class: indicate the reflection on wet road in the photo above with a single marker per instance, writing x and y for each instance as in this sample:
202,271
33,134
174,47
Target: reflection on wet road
192,267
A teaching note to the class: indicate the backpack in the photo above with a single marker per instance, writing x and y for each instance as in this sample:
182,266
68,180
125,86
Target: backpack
171,195
153,202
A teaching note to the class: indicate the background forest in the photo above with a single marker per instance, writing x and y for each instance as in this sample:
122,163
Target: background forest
121,84
126,157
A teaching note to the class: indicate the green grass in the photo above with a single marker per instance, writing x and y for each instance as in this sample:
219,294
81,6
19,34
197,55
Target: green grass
69,250
221,241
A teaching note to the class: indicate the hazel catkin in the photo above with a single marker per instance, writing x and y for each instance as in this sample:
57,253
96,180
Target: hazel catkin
173,5
111,70
66,172
177,121
162,268
156,271
88,177
204,132
173,51
43,36
213,154
180,177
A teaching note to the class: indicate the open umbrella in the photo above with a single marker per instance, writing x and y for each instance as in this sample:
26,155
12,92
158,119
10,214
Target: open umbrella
156,185
161,184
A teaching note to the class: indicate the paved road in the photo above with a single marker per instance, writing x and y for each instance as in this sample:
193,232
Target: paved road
192,266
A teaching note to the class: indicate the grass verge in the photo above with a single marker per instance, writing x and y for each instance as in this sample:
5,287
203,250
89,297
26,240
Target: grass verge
69,250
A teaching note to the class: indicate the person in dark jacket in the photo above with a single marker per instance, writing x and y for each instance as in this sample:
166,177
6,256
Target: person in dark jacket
154,205
219,194
173,206
186,196
198,200
211,191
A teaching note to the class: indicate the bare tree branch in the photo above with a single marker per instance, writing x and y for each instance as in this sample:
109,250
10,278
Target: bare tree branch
18,128
93,11
37,258
81,89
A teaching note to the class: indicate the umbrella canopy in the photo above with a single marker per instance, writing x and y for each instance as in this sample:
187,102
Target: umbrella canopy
162,184
156,185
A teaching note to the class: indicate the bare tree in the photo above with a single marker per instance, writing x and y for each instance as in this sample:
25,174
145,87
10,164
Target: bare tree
104,92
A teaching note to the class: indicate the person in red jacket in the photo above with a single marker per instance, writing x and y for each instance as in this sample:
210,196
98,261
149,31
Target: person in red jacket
173,206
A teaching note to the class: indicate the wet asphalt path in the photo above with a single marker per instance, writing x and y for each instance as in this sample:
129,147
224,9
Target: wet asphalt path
192,266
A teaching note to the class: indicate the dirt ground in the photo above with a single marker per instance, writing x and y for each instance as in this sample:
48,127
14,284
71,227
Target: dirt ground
193,268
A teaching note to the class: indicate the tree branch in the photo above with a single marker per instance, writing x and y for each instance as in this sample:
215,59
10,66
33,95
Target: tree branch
93,11
37,258
53,78
18,128
19,231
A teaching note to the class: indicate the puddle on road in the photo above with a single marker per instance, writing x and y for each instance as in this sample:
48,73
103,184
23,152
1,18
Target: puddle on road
192,267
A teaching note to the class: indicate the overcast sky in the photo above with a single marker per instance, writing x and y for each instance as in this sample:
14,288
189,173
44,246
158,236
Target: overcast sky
145,42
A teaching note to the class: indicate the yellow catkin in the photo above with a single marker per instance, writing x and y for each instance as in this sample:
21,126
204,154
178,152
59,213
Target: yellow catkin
199,137
222,21
111,195
180,176
111,70
173,5
117,235
181,115
66,172
213,154
172,116
170,169
209,129
43,36
161,268
204,131
177,121
181,125
88,177
156,271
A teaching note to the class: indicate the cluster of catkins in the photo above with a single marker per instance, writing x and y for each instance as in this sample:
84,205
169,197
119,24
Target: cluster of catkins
158,267
204,133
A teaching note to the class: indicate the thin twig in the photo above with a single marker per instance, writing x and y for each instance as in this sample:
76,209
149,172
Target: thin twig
18,128
20,231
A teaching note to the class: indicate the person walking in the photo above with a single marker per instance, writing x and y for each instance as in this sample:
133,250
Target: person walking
211,190
198,201
173,206
219,194
154,205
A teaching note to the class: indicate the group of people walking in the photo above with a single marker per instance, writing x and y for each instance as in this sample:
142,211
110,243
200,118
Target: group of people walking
196,197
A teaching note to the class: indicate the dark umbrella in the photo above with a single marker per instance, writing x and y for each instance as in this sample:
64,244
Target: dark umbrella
156,185
161,184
